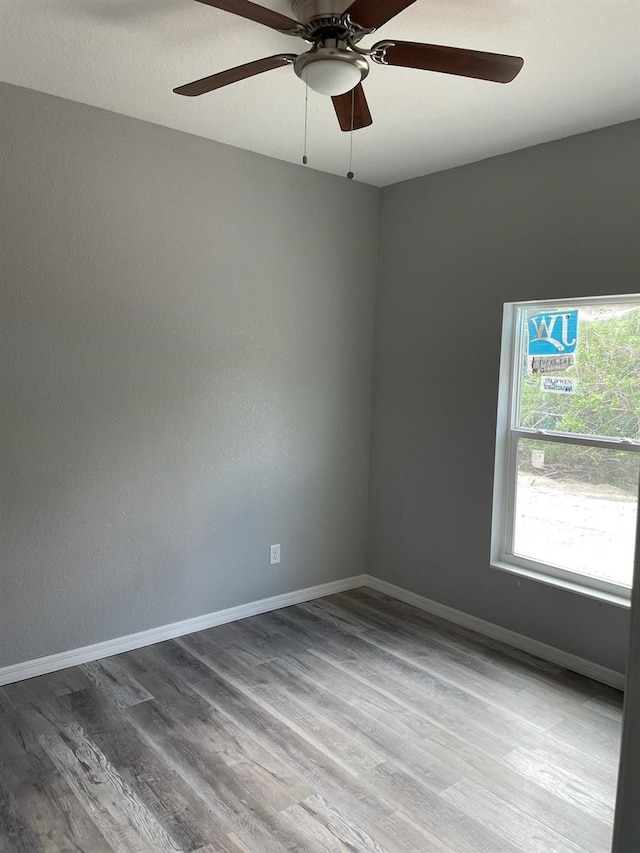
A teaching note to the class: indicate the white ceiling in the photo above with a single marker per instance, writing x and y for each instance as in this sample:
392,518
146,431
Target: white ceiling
581,72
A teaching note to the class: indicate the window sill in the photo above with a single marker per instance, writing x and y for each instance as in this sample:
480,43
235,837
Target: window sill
561,583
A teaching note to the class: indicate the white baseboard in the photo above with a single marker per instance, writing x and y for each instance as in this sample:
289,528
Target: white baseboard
96,651
495,632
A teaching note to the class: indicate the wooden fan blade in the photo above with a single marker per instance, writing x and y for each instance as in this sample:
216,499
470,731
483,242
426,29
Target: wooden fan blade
354,104
496,67
256,13
375,13
232,75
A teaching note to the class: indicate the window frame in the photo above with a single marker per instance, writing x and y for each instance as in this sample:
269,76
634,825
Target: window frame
502,555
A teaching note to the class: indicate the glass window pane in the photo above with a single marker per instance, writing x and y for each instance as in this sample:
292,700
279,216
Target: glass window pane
576,508
584,374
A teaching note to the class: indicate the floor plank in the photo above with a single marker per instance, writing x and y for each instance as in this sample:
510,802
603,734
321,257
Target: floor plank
54,814
185,816
115,809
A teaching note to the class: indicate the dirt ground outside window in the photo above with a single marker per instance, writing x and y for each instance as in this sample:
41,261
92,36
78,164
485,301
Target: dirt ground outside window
576,525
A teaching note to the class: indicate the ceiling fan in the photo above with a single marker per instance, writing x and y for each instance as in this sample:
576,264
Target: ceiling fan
335,65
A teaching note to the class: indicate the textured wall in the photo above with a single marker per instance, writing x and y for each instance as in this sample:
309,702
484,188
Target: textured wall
626,835
186,366
556,220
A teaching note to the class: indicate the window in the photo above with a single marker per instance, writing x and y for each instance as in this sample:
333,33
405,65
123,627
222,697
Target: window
568,443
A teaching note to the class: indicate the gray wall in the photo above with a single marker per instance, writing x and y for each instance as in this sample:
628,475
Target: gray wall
626,833
186,366
186,369
556,220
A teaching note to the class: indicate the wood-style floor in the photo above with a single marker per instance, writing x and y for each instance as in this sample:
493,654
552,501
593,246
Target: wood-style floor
352,723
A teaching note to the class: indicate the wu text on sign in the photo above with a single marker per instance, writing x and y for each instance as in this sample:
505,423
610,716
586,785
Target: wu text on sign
553,337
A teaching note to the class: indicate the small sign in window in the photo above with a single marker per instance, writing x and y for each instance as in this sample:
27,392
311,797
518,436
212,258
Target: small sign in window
559,384
537,459
553,333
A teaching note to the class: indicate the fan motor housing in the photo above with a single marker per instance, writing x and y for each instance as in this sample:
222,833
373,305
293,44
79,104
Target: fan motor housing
305,10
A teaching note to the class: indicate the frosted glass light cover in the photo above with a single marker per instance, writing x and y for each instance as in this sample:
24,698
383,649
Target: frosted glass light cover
331,77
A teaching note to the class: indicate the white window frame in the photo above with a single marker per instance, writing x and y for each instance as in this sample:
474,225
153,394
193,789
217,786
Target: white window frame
505,474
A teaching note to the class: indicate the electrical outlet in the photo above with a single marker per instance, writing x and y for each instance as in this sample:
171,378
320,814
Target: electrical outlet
274,555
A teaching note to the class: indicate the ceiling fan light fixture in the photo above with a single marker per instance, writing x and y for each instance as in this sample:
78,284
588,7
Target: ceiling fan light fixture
335,66
331,71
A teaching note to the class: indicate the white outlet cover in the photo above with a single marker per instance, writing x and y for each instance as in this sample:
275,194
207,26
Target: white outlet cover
274,554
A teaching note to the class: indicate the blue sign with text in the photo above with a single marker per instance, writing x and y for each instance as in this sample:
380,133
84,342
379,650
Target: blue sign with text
553,333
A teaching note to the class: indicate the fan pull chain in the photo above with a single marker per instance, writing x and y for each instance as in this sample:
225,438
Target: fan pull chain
306,114
353,100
